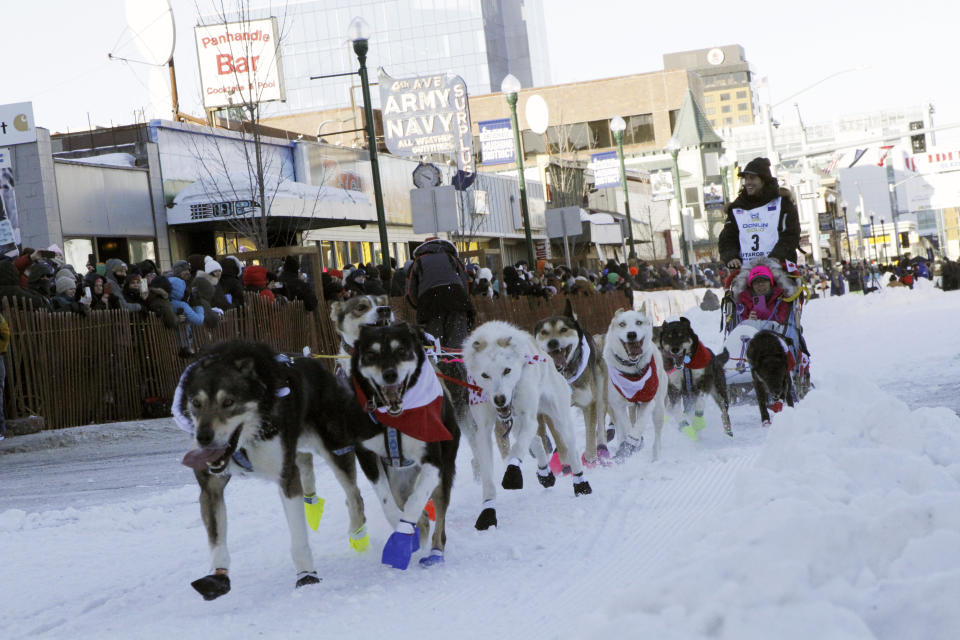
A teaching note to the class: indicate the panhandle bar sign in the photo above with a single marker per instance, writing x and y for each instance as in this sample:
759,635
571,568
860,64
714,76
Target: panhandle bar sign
427,115
606,169
239,63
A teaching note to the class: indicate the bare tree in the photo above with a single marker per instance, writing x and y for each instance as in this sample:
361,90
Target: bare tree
262,175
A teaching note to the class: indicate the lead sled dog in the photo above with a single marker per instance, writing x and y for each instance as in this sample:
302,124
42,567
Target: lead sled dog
250,412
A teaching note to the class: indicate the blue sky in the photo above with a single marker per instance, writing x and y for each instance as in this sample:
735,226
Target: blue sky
56,52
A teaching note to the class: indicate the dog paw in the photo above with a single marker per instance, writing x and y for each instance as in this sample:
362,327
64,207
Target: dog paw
699,423
399,548
626,450
546,478
603,455
512,478
305,578
589,464
690,432
435,558
212,586
611,434
765,423
487,519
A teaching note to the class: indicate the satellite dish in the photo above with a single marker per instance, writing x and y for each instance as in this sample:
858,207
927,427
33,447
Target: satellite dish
150,35
538,115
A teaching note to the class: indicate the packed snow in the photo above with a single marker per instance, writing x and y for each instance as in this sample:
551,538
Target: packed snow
842,520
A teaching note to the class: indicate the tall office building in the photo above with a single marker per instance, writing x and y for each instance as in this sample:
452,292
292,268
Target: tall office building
480,40
728,94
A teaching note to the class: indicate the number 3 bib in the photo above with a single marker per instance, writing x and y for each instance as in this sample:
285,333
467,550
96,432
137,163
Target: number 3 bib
758,230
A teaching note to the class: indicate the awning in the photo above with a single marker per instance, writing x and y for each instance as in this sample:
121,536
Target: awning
225,198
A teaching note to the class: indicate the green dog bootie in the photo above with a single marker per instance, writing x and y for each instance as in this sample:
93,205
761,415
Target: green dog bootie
699,423
688,430
313,510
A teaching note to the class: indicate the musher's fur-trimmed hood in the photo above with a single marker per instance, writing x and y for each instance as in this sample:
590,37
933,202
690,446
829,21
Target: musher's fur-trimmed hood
780,276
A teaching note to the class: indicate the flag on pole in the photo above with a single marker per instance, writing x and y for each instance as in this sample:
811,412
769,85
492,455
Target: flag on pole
883,156
857,156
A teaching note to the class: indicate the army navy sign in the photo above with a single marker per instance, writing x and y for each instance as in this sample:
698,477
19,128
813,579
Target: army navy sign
427,115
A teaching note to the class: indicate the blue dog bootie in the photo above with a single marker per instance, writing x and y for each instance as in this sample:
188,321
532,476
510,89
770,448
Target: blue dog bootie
400,545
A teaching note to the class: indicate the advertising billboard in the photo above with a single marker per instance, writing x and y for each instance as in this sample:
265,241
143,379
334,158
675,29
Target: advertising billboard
606,169
427,115
239,63
496,142
16,123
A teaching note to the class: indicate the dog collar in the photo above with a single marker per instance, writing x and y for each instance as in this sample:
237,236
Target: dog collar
584,351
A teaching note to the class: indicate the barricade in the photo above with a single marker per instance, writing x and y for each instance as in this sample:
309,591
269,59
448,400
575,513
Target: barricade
114,365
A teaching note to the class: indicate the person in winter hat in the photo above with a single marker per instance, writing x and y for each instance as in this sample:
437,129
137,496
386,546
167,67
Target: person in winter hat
116,276
437,289
761,222
762,299
63,301
294,287
255,279
230,287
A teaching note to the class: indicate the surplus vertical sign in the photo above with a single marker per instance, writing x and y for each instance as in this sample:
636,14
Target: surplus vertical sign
427,115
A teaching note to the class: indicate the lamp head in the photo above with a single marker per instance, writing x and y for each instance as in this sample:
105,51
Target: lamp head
673,145
358,30
510,85
617,124
728,159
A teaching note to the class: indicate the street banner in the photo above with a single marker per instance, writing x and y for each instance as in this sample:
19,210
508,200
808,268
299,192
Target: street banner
239,63
496,142
9,219
712,196
427,115
661,185
826,221
606,169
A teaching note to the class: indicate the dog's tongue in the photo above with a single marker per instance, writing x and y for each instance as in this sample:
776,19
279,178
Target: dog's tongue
559,358
391,393
634,349
199,458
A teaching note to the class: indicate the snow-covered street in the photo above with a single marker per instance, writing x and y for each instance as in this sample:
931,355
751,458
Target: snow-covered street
840,521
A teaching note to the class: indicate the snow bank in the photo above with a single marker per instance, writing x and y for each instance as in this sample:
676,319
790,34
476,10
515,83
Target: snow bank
847,526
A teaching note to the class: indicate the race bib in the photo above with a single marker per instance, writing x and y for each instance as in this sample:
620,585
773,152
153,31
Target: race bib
758,230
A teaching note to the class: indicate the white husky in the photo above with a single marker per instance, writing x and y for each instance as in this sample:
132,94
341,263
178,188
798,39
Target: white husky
637,387
516,381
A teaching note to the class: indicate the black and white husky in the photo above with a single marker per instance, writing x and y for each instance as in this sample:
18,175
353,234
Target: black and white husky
693,373
576,358
408,445
351,315
250,412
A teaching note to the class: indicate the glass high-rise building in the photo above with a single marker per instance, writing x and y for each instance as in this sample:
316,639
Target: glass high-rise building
480,40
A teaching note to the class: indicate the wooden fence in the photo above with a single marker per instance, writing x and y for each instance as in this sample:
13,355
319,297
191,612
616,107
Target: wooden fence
115,365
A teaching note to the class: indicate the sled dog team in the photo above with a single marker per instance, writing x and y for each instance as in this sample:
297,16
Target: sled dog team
398,414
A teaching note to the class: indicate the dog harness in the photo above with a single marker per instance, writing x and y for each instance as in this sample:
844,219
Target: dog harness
584,350
701,358
641,387
422,406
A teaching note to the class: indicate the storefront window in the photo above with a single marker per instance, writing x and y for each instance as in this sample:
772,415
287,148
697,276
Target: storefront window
76,251
141,250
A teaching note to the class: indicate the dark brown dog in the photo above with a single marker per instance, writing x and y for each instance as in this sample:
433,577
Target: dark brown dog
771,364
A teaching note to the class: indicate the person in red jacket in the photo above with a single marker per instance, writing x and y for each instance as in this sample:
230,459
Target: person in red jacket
762,299
255,279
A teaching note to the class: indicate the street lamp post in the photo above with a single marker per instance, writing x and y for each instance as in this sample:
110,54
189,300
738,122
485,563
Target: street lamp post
617,126
359,34
509,87
673,146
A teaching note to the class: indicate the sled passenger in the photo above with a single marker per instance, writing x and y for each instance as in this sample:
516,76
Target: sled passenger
762,299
